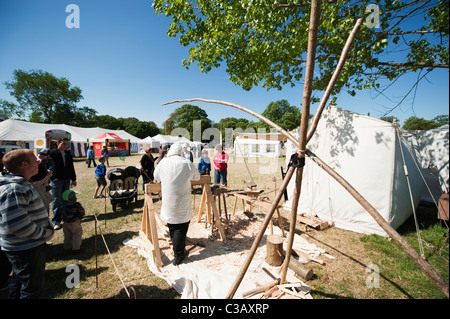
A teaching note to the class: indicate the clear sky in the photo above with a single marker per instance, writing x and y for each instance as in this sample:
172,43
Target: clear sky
126,65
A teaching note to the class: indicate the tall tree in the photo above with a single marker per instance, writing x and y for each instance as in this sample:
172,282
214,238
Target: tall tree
282,113
264,42
184,117
44,96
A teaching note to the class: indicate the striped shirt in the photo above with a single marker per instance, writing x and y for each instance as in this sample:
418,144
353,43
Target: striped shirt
24,221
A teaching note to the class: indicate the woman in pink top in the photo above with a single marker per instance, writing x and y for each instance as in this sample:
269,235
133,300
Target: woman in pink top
220,161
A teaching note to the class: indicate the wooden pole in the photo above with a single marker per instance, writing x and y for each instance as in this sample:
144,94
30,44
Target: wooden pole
307,90
260,235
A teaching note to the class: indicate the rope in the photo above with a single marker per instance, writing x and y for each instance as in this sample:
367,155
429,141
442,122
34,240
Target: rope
245,162
419,238
112,260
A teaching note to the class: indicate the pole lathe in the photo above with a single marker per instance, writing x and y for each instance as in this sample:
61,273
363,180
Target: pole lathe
305,136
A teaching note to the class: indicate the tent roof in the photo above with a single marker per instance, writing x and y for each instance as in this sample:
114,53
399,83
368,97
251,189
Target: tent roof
16,130
170,139
108,135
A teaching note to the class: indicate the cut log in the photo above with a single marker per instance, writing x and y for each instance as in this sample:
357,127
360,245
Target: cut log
300,270
274,246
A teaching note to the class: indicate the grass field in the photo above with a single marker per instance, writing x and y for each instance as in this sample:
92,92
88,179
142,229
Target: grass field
343,277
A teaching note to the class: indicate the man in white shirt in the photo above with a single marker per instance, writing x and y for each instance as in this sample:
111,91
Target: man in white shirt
175,174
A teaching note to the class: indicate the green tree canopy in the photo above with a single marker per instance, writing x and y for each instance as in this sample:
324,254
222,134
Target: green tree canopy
282,113
264,42
46,98
184,117
415,123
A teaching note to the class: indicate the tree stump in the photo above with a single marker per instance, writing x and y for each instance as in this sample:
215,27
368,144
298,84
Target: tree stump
274,256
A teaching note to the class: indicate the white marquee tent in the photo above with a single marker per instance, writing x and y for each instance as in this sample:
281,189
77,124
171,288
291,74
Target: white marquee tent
261,147
170,139
28,132
368,153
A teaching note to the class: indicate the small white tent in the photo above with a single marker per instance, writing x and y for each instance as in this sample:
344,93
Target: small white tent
149,142
369,155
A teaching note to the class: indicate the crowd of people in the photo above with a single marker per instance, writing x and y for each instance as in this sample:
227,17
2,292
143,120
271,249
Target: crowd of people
36,197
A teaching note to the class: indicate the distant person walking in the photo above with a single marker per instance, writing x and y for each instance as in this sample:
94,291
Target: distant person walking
100,177
105,154
91,156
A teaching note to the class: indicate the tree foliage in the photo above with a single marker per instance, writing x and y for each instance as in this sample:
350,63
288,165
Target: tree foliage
264,42
44,98
282,113
184,117
47,98
416,123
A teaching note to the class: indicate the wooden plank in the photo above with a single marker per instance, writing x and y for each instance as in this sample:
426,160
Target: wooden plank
215,212
312,222
202,206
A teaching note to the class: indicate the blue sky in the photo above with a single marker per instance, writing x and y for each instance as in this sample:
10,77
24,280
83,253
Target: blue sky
127,66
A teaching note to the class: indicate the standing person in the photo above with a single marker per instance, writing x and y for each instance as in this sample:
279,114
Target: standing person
162,153
204,164
220,162
91,156
100,173
105,154
42,179
175,174
25,225
72,212
63,177
187,152
147,167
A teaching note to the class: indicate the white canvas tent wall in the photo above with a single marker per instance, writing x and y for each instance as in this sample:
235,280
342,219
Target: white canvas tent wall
432,151
248,147
15,130
367,153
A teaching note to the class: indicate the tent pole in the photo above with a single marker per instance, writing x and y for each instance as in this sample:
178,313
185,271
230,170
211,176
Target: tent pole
307,90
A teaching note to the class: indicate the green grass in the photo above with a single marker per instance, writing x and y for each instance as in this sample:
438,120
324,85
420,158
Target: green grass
400,276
